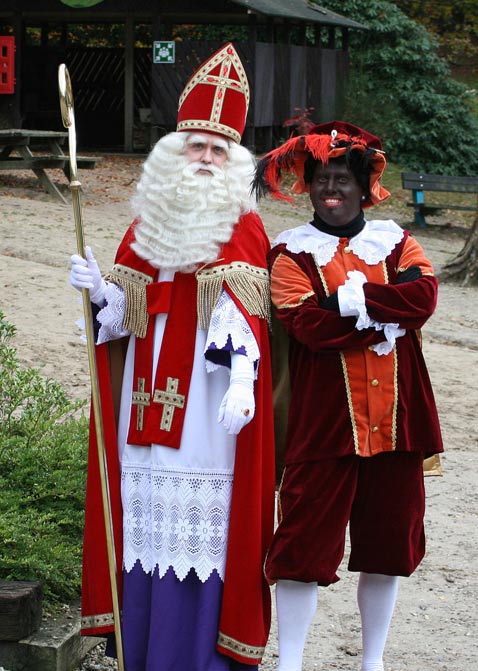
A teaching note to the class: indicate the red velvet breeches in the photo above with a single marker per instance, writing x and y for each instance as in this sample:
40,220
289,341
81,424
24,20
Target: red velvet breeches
383,499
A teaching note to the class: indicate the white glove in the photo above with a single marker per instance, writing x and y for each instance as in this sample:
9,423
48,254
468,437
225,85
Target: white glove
85,274
238,405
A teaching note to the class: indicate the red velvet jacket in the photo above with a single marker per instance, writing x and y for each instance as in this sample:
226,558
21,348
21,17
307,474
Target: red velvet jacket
345,398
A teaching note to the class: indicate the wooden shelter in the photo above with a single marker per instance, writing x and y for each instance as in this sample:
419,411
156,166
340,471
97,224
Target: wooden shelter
294,51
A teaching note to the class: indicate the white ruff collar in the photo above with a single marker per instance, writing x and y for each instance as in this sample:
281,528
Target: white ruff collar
373,244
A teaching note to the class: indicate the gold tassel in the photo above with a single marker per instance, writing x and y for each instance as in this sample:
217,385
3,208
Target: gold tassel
250,284
134,285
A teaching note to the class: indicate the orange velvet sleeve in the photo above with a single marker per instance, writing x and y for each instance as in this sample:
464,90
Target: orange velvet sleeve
413,255
290,286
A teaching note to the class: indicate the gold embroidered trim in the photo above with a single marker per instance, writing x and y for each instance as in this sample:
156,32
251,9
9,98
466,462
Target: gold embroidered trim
294,305
395,378
134,284
93,621
395,399
350,403
279,500
250,284
249,651
143,400
170,400
212,126
401,269
221,84
385,272
322,278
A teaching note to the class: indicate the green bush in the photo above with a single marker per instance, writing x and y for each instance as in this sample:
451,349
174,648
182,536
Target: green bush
43,453
402,90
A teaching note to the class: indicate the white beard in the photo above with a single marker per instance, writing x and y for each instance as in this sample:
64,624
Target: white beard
185,217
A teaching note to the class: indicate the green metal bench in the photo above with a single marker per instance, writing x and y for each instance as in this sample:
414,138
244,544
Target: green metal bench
418,183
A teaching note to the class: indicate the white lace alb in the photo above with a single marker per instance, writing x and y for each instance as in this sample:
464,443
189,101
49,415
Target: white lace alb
176,518
227,320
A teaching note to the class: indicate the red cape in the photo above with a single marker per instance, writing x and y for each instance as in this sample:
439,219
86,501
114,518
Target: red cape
245,614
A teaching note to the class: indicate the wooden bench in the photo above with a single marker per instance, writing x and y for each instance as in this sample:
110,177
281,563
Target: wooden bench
82,163
33,162
421,182
39,163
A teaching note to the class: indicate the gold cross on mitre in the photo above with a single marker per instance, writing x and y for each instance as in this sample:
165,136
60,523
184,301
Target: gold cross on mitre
171,400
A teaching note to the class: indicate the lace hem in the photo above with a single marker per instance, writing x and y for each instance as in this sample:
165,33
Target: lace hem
175,518
228,321
111,316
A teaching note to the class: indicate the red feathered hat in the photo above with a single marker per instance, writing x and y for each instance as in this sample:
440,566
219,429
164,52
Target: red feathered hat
322,142
216,98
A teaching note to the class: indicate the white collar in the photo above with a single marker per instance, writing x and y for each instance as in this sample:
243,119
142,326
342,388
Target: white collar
373,244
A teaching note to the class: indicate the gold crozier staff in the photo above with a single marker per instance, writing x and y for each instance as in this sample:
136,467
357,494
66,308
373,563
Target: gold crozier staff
68,117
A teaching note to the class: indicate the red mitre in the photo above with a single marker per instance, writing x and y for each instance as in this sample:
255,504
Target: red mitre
216,98
323,142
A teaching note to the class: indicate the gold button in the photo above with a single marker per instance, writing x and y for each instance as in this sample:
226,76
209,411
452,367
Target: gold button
374,382
375,429
347,250
370,347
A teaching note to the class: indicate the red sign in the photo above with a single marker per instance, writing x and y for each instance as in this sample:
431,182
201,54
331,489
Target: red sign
7,62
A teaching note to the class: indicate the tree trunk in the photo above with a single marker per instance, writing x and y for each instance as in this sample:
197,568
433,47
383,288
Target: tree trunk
463,268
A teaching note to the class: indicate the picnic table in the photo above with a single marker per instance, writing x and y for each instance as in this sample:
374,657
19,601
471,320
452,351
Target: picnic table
17,146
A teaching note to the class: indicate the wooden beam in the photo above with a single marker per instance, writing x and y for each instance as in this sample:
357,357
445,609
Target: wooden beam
252,28
331,41
129,84
19,32
345,39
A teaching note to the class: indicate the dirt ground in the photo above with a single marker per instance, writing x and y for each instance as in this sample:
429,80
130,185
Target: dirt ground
435,623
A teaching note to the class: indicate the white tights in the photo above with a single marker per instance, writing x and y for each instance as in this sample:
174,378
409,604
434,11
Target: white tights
376,596
296,605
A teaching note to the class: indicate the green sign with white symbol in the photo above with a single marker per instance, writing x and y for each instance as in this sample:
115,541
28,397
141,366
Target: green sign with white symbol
163,52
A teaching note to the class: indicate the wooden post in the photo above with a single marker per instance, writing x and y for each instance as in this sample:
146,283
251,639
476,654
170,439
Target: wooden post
331,41
129,84
345,39
19,32
154,130
20,609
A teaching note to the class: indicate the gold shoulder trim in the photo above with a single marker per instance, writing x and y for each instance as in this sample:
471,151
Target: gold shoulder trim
134,284
250,651
250,284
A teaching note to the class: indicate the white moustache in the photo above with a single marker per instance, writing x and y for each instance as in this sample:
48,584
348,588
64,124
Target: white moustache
194,168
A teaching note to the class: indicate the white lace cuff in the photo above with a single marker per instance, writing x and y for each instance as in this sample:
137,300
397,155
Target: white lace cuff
111,316
391,333
227,321
352,304
351,297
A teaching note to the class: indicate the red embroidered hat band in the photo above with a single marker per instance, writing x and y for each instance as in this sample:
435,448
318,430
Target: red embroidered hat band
216,97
